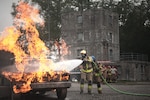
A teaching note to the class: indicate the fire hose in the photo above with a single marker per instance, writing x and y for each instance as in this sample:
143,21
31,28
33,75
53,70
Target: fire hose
120,91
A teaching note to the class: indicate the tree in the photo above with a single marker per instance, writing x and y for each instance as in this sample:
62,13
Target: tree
51,10
134,31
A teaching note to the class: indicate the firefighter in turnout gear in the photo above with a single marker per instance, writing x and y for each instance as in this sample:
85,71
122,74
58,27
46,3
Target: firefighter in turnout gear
86,72
97,75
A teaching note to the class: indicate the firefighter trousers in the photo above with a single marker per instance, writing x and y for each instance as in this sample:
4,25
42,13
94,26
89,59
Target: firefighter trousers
89,77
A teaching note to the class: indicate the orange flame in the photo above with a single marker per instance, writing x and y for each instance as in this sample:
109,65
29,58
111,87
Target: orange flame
23,41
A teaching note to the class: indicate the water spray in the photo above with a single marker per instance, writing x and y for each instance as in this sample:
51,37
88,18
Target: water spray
68,65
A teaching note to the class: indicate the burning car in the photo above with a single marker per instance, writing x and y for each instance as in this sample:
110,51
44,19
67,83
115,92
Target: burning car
14,82
6,87
28,70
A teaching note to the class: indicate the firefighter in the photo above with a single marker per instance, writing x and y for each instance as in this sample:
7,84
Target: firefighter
97,75
113,74
104,72
108,79
86,71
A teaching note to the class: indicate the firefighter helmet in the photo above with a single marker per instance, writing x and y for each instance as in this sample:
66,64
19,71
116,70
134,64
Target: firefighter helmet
83,52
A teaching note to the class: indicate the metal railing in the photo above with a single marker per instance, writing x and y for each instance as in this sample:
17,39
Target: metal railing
133,57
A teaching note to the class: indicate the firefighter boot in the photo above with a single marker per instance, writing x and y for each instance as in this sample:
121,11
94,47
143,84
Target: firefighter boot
89,89
81,88
99,90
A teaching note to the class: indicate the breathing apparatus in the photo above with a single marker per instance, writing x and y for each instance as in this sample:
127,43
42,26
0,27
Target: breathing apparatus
83,53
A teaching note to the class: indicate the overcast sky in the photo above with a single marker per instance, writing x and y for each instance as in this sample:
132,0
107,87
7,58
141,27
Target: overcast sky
5,16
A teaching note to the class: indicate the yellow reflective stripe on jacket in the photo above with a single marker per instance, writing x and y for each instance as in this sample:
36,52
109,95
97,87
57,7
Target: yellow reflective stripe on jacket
97,74
87,71
86,66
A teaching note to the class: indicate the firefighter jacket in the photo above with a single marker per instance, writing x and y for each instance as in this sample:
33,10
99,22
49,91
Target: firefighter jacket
97,69
87,65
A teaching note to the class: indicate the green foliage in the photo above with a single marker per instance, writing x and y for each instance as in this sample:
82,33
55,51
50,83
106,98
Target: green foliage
51,10
134,32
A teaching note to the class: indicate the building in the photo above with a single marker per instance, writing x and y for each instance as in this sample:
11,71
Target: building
134,70
96,31
134,67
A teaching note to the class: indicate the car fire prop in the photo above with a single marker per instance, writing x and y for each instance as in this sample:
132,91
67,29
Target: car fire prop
30,53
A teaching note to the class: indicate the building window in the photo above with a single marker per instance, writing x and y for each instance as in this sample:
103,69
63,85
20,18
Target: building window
142,69
110,21
79,19
110,54
110,37
80,36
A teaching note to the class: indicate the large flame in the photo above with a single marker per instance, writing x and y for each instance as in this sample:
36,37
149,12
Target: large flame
22,39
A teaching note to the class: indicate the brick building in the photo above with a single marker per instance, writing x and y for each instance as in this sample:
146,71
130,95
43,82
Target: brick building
96,31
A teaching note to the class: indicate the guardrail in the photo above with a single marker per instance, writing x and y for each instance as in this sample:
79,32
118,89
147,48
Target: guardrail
133,57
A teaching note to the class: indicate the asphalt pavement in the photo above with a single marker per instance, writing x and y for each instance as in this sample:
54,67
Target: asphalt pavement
107,93
110,94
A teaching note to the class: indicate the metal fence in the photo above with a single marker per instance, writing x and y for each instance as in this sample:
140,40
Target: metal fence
133,57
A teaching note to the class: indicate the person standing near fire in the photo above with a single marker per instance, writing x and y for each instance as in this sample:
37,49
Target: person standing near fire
86,69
